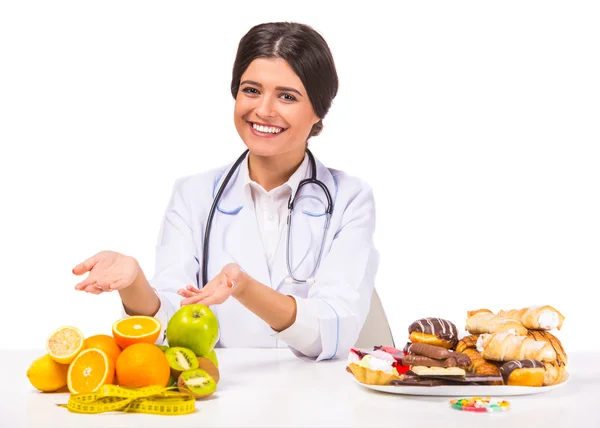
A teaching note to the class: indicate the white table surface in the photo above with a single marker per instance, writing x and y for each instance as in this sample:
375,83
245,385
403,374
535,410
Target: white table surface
273,388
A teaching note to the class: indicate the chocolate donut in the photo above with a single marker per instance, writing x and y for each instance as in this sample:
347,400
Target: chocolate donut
434,331
523,373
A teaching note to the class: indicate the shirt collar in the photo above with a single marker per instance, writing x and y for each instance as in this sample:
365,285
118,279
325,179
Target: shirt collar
291,185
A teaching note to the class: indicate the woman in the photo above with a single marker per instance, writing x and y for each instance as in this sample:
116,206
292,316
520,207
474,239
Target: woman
284,81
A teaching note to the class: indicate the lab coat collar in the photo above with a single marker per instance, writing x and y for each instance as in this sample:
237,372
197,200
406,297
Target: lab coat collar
243,239
237,193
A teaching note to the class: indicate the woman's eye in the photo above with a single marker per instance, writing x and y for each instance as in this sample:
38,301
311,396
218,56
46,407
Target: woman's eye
249,90
288,97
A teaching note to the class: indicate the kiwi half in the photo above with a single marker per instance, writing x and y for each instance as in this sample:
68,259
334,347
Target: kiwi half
209,367
198,382
180,359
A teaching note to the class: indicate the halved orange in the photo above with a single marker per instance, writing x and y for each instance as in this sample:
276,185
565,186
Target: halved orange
136,329
91,369
64,344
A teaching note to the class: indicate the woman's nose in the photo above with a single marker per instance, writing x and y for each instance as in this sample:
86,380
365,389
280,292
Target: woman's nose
265,107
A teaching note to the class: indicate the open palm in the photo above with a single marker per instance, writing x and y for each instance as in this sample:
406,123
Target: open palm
108,271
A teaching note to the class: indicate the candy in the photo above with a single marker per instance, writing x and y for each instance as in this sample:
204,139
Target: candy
480,404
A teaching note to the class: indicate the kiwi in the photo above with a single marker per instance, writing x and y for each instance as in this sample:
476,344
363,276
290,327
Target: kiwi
198,382
209,367
180,359
163,347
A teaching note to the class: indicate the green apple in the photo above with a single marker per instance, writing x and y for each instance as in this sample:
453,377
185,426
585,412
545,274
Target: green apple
194,327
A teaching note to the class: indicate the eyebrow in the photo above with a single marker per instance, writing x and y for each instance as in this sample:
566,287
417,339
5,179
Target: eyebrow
279,88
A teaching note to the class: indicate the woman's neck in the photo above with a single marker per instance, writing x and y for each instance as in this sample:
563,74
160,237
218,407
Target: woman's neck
272,171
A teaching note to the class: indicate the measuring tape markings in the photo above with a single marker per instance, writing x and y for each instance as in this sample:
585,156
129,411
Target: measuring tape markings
156,400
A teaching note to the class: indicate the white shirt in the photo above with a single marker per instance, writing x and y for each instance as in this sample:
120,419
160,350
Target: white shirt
272,208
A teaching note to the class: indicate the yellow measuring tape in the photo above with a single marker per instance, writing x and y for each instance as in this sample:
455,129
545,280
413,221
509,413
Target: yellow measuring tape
156,400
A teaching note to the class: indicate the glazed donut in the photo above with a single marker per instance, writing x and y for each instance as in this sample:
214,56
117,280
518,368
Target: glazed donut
523,373
433,331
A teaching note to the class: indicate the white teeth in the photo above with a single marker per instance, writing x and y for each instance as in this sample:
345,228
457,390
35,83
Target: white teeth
267,129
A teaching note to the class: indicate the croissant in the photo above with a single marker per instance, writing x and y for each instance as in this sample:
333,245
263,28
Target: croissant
479,365
508,346
467,342
484,321
555,370
536,317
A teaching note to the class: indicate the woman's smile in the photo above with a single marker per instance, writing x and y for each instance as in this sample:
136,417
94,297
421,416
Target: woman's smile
265,131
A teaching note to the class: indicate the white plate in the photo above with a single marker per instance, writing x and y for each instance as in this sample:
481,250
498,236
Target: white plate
464,390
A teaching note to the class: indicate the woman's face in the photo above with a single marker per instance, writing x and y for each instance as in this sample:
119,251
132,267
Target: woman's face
273,114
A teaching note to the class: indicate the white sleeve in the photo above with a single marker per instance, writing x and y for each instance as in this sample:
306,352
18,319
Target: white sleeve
329,320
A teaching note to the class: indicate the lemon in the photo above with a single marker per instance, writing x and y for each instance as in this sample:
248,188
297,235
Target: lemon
47,375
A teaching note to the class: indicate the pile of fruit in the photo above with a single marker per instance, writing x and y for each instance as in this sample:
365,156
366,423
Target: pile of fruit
130,358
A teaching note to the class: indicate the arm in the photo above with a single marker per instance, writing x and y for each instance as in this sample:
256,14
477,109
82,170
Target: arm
176,265
328,321
139,298
330,318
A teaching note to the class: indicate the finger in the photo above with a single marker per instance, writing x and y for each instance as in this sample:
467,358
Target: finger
196,298
83,284
186,293
93,289
193,289
86,266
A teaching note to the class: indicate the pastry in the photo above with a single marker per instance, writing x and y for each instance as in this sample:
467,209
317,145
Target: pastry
373,368
485,321
433,331
555,370
467,342
523,373
536,317
422,354
480,365
508,346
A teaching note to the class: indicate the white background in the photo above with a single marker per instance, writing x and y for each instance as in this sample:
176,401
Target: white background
477,125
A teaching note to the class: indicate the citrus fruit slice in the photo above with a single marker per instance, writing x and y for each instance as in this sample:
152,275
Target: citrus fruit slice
64,344
136,329
91,369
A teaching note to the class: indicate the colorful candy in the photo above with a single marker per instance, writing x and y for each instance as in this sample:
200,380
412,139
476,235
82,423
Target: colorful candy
480,404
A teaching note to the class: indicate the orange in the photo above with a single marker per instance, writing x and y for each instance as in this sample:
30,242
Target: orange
136,329
143,364
64,344
91,369
104,342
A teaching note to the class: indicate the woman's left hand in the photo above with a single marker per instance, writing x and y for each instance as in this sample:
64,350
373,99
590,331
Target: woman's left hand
217,290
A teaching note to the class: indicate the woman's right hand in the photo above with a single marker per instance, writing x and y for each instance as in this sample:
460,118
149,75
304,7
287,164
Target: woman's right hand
108,270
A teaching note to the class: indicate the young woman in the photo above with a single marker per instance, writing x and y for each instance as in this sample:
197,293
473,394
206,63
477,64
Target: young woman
278,245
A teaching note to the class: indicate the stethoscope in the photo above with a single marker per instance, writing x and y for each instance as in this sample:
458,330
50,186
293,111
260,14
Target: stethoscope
312,180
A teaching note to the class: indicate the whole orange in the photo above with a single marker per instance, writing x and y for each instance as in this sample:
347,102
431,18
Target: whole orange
142,364
105,343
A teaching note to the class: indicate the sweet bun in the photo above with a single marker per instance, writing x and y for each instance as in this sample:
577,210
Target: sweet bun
433,331
523,373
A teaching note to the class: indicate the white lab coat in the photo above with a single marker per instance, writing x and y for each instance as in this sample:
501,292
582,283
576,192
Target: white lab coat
339,298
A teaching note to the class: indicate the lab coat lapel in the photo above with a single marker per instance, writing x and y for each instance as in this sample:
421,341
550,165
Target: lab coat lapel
244,244
242,240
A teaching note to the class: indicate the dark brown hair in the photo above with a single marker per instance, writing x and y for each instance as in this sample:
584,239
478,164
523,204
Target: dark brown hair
304,49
